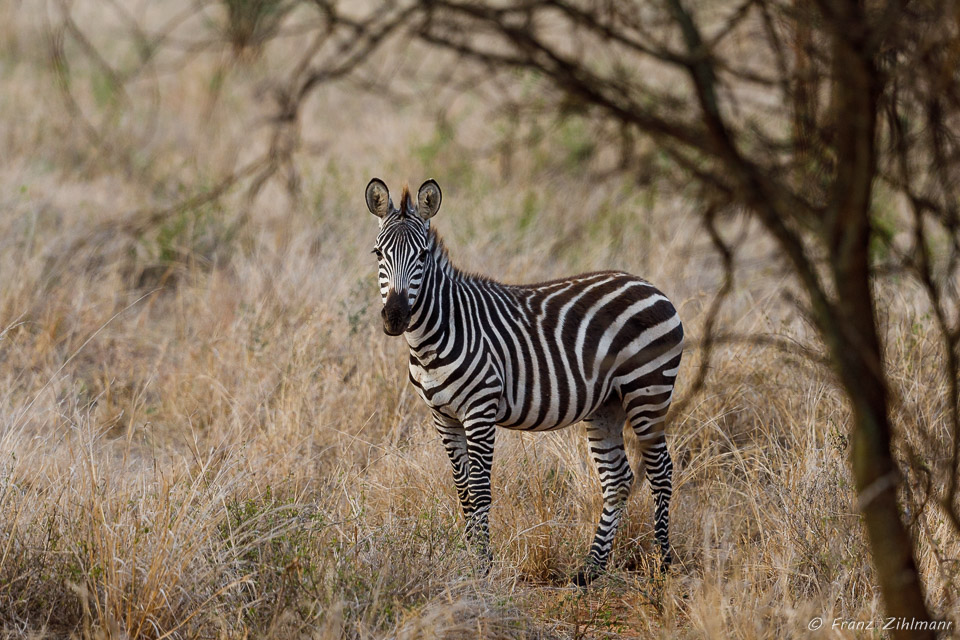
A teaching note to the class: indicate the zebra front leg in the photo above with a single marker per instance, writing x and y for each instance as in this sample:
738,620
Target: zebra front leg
454,439
480,439
605,434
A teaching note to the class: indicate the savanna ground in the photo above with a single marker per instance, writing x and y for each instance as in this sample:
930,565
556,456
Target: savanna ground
204,431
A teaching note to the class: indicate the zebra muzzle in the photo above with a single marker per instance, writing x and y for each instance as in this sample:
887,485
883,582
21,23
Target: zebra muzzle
395,314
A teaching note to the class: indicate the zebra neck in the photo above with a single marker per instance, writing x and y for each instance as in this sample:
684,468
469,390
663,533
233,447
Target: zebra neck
436,322
432,314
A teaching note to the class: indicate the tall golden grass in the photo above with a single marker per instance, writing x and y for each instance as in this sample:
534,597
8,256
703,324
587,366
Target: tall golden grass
204,431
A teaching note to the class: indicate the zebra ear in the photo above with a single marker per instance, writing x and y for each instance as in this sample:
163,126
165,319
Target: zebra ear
428,199
378,198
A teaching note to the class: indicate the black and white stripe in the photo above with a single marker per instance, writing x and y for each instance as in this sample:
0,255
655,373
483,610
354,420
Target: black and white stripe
599,347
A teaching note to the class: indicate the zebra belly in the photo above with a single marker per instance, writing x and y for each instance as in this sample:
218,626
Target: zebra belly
552,417
532,424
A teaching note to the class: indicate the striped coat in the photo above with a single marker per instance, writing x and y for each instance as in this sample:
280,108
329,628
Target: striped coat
600,347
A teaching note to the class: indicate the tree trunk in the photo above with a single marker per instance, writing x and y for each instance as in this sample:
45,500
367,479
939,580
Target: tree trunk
855,343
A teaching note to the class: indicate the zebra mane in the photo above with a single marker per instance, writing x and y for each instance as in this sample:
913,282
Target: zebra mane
442,258
440,254
406,201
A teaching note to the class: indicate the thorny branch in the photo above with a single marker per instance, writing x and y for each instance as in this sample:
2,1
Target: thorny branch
811,193
340,45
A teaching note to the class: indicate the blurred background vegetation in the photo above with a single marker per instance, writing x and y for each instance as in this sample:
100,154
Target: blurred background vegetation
204,432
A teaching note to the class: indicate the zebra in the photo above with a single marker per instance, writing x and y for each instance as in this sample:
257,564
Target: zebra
603,348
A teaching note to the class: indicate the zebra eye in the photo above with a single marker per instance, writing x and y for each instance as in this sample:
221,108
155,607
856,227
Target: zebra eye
377,253
423,254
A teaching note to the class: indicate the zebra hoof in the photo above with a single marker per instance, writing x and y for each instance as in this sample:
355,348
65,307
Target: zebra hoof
484,561
483,568
666,559
585,576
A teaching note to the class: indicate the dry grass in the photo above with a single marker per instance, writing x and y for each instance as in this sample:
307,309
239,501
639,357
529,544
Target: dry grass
204,432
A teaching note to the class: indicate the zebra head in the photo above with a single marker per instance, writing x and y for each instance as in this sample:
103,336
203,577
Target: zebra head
402,248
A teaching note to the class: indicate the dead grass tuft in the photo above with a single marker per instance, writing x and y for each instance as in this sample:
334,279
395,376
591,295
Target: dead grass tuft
204,432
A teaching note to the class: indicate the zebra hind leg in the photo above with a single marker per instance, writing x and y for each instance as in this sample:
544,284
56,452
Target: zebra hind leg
605,435
646,406
659,470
